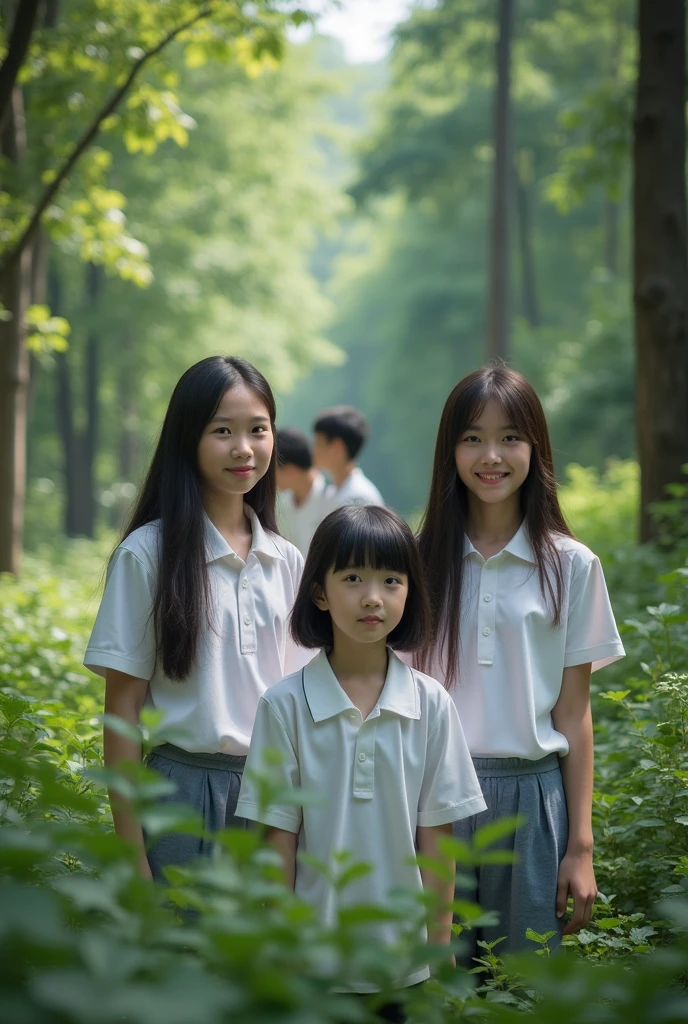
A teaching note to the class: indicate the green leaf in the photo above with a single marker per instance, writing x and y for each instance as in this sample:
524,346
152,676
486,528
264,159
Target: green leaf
487,834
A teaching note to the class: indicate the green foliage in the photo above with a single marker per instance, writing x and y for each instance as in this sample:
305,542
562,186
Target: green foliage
83,940
602,508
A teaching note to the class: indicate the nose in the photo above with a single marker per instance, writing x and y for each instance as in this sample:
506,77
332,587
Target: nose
372,599
241,449
491,454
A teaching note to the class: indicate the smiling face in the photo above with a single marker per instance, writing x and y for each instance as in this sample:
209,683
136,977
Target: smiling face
365,604
492,457
236,446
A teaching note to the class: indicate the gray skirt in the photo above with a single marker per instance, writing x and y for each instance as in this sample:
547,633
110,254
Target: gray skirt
209,784
523,893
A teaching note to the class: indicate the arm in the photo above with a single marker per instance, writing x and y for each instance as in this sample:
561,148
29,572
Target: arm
572,717
427,838
285,844
124,697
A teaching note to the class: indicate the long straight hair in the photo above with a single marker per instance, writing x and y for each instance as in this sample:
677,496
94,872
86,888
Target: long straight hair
441,539
172,493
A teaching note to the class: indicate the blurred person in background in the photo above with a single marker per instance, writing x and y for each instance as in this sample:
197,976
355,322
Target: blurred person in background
340,433
300,502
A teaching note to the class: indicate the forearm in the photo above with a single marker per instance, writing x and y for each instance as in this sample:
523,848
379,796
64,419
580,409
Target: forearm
285,844
124,697
575,723
442,884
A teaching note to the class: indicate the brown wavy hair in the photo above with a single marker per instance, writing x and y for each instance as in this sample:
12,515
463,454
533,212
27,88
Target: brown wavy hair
441,538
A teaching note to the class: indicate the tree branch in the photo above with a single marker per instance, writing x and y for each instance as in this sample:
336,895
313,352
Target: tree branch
89,135
22,30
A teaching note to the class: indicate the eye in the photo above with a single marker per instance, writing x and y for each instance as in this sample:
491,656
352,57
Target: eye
471,438
222,430
512,437
352,577
393,581
260,430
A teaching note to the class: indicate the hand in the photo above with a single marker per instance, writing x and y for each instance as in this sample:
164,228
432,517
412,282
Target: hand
577,877
144,867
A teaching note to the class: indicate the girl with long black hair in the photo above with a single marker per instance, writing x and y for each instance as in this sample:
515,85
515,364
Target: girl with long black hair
522,618
194,617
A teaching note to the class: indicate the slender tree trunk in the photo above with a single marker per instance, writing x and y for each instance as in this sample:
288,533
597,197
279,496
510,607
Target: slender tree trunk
64,409
15,295
524,221
25,12
80,446
611,236
660,251
39,261
85,511
498,314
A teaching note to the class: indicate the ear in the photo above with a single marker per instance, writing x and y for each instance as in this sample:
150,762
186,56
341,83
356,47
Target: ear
319,599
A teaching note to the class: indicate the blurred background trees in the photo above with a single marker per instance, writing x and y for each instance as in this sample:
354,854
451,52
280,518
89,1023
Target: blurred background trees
255,193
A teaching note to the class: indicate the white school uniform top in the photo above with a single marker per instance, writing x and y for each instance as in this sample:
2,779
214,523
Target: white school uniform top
511,660
357,489
248,649
298,523
406,765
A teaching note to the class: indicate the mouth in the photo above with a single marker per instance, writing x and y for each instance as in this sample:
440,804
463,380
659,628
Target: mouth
371,620
491,478
241,471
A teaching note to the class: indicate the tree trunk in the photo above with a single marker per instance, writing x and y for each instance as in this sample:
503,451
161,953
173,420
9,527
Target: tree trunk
80,446
660,261
15,295
39,259
611,236
498,316
531,306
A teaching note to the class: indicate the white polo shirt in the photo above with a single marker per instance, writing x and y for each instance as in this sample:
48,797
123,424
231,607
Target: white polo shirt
406,765
298,523
511,660
357,489
248,650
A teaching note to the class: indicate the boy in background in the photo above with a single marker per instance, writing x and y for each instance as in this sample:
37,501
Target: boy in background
301,501
340,433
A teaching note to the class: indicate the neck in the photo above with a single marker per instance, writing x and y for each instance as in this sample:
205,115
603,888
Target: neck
351,660
226,512
491,524
342,473
303,485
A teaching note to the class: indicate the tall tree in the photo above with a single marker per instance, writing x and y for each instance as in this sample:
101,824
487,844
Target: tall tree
498,315
89,64
660,257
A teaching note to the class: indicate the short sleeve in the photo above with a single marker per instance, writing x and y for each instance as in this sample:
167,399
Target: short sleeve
269,733
123,636
591,633
450,790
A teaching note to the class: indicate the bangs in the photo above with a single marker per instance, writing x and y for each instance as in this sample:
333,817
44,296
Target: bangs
492,391
368,539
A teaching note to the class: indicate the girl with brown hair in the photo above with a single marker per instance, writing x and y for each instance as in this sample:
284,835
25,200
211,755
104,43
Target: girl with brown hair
522,617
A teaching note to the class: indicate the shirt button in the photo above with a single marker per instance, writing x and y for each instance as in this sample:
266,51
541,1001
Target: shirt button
247,620
487,597
361,757
244,584
487,631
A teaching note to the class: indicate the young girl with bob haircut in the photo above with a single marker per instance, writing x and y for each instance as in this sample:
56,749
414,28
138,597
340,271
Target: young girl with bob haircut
523,617
379,740
193,620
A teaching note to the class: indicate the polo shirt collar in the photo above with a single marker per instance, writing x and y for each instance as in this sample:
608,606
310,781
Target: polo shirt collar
262,543
326,698
519,546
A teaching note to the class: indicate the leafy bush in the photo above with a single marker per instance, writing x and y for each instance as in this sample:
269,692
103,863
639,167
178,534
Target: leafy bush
83,940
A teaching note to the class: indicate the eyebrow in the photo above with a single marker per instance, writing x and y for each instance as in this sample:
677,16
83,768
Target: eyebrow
475,426
230,419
